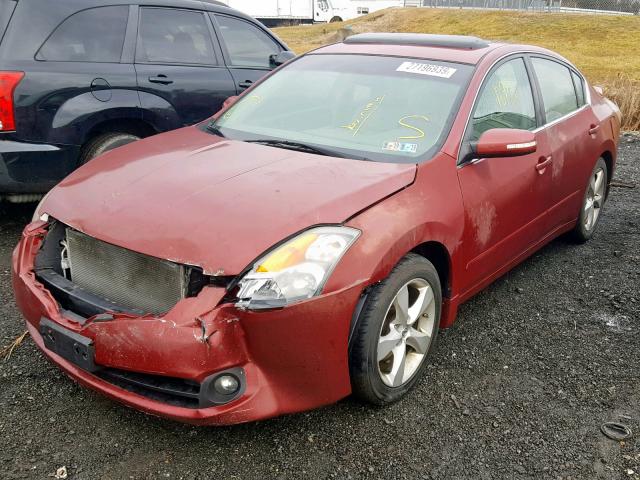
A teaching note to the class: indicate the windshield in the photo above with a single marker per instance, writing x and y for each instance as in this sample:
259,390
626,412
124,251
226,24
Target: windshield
361,106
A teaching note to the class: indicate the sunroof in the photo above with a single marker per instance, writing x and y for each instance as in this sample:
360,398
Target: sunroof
419,39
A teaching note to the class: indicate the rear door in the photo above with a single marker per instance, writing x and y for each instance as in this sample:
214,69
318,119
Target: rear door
247,48
181,76
505,199
79,71
572,128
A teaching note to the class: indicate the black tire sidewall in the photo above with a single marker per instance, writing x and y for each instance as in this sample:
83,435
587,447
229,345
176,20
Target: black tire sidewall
105,143
369,385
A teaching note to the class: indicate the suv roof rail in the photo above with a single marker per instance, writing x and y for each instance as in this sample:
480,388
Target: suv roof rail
216,2
419,39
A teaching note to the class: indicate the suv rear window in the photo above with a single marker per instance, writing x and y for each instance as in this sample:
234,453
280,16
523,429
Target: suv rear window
94,35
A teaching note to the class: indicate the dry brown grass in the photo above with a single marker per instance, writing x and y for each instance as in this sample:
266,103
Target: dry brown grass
604,47
6,352
626,93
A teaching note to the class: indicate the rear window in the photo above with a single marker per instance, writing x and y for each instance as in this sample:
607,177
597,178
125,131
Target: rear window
577,81
6,10
94,35
557,88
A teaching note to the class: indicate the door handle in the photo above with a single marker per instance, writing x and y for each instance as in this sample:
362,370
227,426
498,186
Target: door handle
543,163
246,84
593,129
161,79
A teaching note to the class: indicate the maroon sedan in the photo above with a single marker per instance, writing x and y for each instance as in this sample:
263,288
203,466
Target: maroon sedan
308,242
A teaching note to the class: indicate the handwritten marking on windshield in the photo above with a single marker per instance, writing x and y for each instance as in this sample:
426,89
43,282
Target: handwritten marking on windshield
420,132
364,115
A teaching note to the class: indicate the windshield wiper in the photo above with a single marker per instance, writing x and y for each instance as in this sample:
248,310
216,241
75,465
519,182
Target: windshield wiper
295,146
303,147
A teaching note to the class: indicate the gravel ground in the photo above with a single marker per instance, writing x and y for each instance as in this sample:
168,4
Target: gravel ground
518,388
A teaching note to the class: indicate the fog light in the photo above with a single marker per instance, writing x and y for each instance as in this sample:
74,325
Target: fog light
226,385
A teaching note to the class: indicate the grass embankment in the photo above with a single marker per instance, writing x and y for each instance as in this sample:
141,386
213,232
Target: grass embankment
604,47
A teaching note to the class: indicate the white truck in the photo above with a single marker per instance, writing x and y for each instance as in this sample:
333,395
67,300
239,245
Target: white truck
291,12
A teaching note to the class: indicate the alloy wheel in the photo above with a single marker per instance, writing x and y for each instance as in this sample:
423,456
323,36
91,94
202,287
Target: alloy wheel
406,332
594,200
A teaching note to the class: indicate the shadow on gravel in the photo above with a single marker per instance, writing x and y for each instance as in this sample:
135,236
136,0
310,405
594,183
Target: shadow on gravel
15,214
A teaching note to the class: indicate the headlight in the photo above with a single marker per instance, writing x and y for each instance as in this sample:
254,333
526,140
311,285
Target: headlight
296,270
38,214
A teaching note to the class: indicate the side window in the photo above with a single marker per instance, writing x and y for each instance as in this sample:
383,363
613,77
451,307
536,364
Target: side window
556,87
248,46
94,35
506,100
174,36
579,84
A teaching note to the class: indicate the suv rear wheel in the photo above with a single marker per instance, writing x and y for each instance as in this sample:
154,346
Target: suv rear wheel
103,143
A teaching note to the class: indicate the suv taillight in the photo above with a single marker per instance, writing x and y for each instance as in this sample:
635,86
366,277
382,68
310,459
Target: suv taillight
8,83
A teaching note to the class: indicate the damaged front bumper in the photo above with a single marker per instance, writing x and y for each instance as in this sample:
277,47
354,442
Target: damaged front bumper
285,360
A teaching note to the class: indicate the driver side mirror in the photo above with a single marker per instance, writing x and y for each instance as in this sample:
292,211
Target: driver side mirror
504,142
278,59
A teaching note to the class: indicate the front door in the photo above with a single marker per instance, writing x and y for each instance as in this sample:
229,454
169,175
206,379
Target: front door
181,77
505,199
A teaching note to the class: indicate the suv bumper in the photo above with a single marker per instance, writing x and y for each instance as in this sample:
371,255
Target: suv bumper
33,167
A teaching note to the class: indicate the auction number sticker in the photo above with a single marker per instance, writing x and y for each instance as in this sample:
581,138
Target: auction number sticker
426,69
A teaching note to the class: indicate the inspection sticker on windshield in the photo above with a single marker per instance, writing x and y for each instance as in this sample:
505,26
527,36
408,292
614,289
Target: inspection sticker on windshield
400,147
426,69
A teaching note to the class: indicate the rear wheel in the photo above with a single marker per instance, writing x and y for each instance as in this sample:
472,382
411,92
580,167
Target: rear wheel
103,143
593,201
396,331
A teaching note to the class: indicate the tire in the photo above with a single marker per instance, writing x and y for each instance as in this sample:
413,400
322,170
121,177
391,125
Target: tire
103,143
373,379
335,19
592,203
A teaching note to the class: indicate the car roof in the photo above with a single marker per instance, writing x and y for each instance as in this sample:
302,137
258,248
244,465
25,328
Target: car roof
451,48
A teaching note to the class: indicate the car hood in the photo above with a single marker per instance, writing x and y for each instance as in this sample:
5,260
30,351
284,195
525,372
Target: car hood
194,198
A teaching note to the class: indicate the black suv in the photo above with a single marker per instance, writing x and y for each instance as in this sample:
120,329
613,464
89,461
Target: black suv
80,77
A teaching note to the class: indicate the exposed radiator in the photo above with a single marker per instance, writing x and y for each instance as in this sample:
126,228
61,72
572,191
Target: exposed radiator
127,278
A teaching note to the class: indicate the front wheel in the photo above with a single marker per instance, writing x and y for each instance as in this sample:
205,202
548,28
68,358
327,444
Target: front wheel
395,332
592,203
